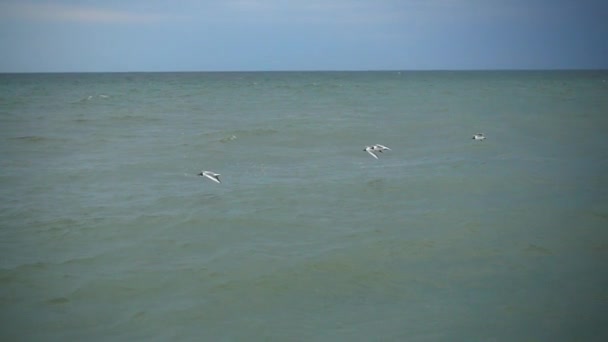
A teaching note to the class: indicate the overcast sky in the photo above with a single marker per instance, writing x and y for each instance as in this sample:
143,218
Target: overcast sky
235,35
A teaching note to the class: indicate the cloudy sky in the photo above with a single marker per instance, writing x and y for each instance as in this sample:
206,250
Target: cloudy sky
234,35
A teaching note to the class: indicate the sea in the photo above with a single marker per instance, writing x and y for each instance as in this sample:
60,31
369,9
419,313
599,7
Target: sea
107,233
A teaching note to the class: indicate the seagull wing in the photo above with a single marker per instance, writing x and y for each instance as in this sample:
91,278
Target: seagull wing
214,177
372,154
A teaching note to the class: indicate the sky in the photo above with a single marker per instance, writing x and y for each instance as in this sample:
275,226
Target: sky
269,35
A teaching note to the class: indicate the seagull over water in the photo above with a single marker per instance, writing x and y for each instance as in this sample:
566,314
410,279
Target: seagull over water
370,150
211,175
380,148
377,148
479,136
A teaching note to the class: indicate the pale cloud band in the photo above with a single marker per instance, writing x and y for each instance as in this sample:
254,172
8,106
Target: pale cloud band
336,12
72,13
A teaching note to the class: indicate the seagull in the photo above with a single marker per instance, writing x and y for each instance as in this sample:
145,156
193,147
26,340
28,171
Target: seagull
380,148
479,136
370,150
211,175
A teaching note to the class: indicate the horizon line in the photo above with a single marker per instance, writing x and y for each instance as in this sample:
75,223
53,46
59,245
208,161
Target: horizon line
302,70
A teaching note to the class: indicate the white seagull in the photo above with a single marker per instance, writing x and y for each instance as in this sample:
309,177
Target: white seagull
211,175
479,136
370,150
380,148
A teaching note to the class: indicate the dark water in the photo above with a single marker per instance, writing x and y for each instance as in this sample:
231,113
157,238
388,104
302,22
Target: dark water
106,232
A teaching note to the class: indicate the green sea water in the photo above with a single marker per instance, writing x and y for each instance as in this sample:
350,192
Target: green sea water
108,234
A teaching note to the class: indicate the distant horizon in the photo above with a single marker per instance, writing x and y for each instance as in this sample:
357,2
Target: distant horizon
298,71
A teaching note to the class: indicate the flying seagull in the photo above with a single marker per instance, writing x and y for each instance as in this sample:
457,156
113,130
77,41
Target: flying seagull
370,150
380,148
479,136
211,175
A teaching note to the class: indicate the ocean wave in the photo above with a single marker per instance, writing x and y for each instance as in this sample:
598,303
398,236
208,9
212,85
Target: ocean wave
93,97
255,132
7,273
232,135
30,138
134,118
37,139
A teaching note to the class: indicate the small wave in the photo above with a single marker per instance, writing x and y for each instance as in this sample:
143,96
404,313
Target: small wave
93,97
600,214
135,118
229,136
58,301
7,272
100,96
537,250
228,139
31,138
88,260
255,132
36,139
